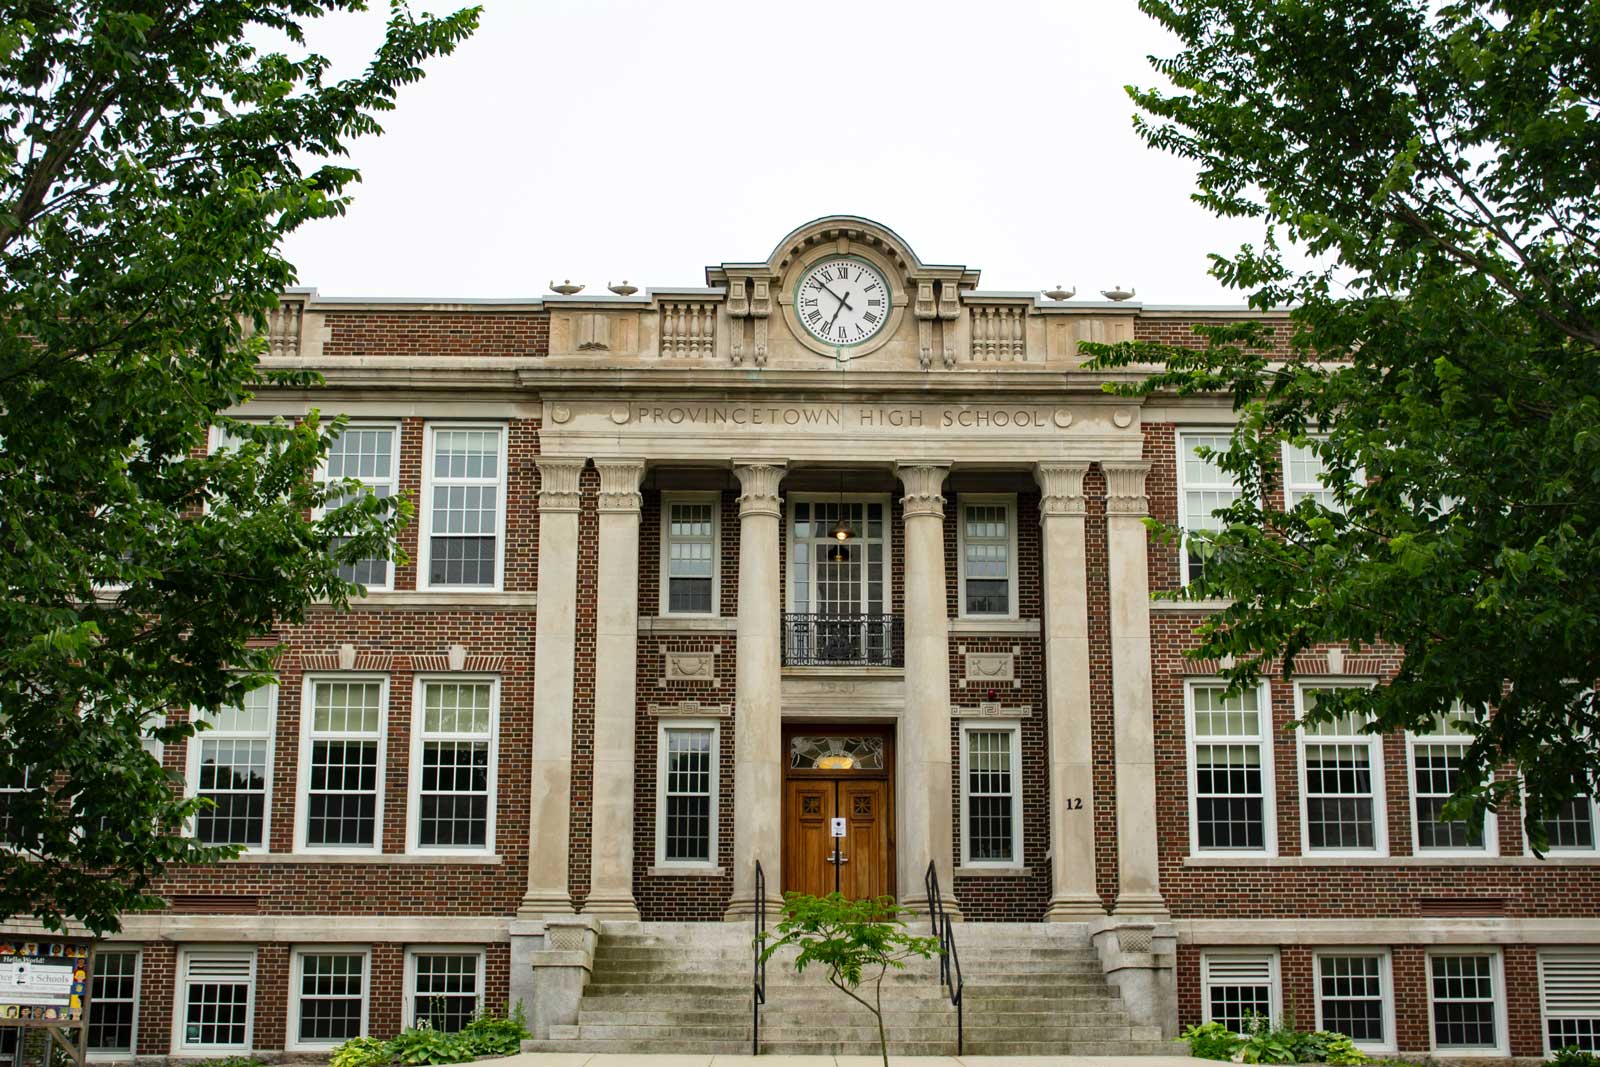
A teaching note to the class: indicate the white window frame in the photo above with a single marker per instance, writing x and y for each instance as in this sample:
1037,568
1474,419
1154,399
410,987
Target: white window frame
291,1037
1009,502
1274,978
1386,990
1014,727
1588,954
1496,976
669,498
393,482
425,513
1590,851
303,779
713,853
408,995
196,743
855,544
1183,450
1374,743
1269,807
414,782
180,1006
1305,489
137,952
1443,735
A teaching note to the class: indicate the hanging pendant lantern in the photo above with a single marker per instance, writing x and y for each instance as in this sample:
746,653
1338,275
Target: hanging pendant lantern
841,530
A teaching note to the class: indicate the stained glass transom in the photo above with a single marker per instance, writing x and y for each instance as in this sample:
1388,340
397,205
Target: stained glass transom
865,753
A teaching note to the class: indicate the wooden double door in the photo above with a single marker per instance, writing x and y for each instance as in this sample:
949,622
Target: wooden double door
859,864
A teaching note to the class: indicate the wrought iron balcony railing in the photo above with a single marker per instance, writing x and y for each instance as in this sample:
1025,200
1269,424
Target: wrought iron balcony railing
843,640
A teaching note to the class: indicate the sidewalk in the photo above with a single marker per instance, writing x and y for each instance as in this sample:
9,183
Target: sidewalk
623,1059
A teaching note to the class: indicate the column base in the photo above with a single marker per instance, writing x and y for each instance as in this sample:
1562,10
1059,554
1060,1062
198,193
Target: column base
537,905
1074,909
1149,906
613,909
916,907
743,909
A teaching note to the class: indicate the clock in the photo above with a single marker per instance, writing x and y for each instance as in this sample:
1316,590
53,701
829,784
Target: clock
842,301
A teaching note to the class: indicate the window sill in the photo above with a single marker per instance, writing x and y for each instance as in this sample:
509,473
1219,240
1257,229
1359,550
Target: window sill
446,859
993,872
1387,861
686,872
413,599
981,625
827,671
1190,605
688,624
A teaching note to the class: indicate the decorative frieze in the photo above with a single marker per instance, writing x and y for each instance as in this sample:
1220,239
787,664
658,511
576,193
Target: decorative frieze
458,658
690,709
558,483
688,329
1125,488
991,709
758,484
619,484
924,486
1061,486
698,667
990,668
347,658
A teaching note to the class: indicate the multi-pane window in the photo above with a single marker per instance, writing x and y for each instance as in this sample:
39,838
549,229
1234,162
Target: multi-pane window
1572,827
465,477
344,742
1462,991
690,526
1352,998
1569,985
988,569
688,794
216,991
454,770
230,767
330,1001
1204,488
839,592
1302,478
445,989
114,1001
1341,771
367,453
1435,772
13,782
990,774
1237,987
1229,754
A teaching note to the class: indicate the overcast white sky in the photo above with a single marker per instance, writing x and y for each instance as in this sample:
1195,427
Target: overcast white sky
644,140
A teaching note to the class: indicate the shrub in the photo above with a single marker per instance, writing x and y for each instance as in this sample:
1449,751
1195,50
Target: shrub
1573,1056
1269,1044
1211,1041
424,1045
496,1035
361,1052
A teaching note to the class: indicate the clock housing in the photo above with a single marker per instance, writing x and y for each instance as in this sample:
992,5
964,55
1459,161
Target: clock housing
842,301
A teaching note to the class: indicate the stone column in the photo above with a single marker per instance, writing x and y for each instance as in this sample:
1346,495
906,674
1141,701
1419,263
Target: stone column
758,715
555,644
1138,874
616,650
1066,653
924,802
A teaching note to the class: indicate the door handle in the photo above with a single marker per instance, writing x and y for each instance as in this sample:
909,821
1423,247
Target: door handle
836,858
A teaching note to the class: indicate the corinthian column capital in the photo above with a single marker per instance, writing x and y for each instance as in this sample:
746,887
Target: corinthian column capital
1125,488
758,486
558,482
1062,487
924,485
619,484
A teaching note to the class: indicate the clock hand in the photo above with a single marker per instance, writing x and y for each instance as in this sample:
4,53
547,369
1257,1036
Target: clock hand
842,305
842,301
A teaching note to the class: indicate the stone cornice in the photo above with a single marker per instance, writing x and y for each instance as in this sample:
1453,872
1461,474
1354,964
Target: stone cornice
1062,487
619,484
558,483
1125,488
924,485
758,482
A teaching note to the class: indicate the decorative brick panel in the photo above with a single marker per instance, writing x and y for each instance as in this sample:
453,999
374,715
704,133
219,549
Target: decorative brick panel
437,333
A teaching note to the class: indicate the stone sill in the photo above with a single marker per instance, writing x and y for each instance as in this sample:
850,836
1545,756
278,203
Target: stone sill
687,624
843,670
375,858
993,872
994,626
416,599
686,872
1190,605
1389,861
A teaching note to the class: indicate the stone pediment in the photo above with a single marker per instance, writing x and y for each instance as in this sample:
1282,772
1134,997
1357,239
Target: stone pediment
753,314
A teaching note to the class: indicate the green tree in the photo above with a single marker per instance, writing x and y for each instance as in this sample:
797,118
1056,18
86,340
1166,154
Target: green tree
850,939
151,162
1438,164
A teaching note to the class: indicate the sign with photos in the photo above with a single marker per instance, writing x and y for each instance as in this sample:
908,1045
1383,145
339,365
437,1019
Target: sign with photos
43,981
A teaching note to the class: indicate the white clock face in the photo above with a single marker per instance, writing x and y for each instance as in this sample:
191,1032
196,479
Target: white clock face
842,302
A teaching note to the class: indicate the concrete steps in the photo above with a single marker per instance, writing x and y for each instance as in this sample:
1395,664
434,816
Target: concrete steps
1031,989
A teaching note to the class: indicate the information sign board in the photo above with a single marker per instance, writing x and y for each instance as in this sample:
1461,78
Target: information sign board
43,981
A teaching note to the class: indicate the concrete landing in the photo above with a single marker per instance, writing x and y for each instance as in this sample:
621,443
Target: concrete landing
629,1059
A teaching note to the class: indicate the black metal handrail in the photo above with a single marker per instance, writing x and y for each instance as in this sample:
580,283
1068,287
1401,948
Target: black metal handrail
816,639
949,960
758,994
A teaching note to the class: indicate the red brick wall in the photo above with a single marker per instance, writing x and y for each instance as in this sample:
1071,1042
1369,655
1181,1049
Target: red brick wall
1180,332
580,830
437,333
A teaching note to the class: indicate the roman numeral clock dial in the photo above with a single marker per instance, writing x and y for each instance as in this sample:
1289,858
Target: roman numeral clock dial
842,302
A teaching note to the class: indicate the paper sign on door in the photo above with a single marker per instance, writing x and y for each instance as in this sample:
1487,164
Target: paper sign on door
836,827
